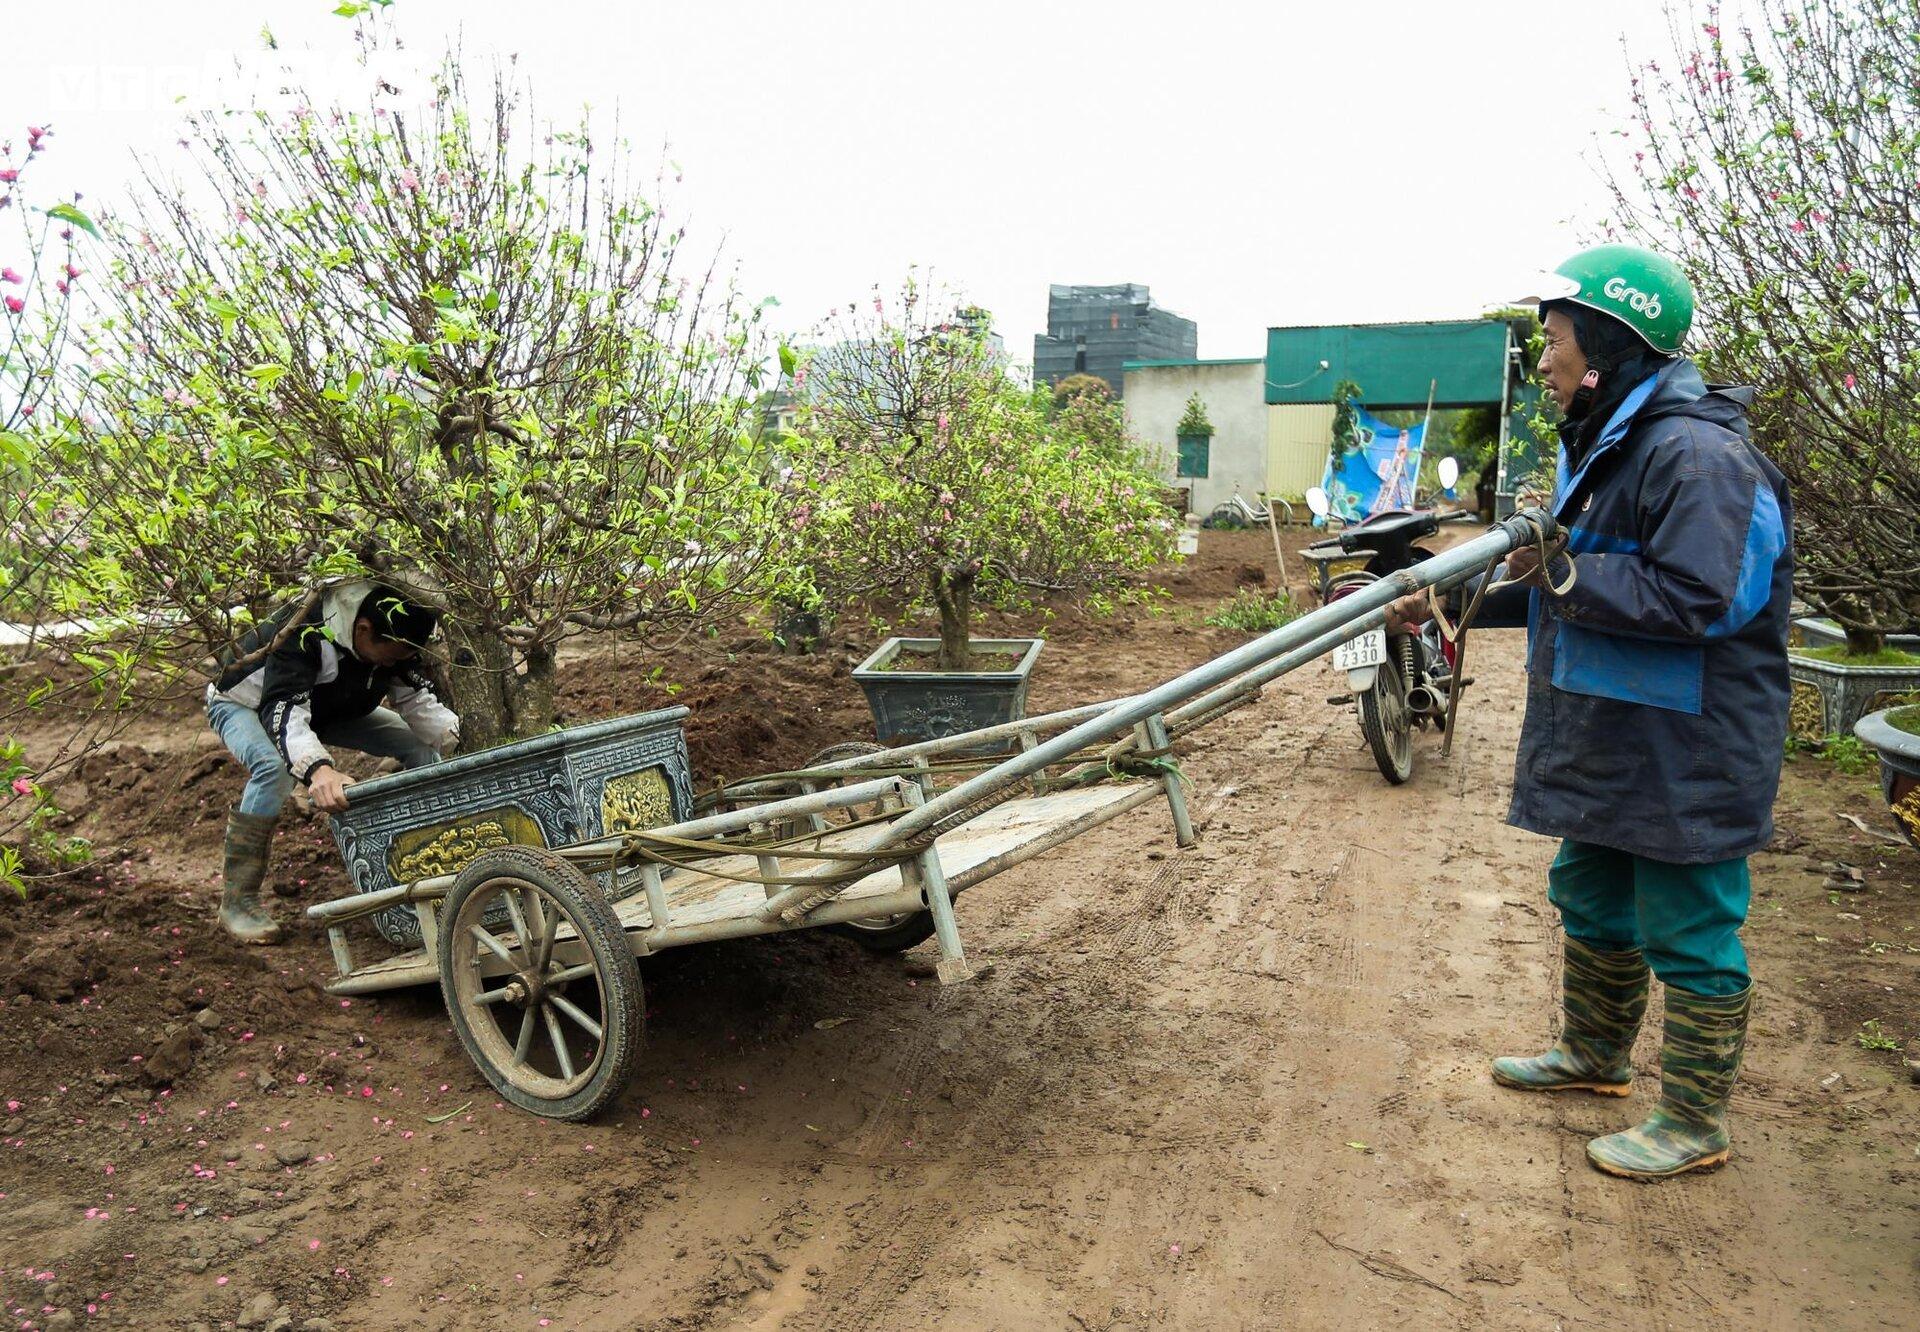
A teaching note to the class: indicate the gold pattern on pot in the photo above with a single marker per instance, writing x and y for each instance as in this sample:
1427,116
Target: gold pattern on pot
448,848
1907,810
636,800
1807,713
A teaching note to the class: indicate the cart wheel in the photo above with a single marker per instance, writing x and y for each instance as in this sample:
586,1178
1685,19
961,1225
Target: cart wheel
1386,723
557,1029
882,934
888,934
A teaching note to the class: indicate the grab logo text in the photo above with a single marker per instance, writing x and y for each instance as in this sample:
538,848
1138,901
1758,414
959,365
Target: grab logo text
1643,302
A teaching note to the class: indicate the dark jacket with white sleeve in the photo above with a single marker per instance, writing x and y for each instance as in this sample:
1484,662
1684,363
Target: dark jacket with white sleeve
313,680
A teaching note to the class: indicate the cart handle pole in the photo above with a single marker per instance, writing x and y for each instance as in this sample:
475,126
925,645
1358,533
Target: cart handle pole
1279,651
1270,655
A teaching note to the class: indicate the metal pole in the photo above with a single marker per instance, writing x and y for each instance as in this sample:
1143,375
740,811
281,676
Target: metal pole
1426,440
1152,734
1270,655
1279,556
1330,625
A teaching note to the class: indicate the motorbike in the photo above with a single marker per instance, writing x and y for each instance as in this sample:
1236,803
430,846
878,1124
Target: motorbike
1402,682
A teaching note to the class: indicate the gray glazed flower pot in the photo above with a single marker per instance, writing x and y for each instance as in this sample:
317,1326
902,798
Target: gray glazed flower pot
567,786
930,705
1814,632
1828,697
1899,752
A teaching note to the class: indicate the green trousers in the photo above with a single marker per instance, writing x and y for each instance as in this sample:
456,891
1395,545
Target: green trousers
1685,918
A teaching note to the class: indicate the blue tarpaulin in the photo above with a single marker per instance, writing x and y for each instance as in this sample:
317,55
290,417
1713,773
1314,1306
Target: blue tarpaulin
1379,473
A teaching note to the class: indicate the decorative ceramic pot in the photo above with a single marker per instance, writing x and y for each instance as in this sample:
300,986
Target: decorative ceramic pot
1899,751
1829,696
929,705
567,786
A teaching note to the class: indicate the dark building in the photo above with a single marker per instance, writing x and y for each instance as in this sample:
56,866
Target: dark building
1097,330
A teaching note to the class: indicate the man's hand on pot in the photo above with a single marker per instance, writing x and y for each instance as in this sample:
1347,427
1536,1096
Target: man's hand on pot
328,789
1407,613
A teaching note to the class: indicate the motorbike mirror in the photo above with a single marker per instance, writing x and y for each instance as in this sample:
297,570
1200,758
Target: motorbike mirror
1318,502
1449,472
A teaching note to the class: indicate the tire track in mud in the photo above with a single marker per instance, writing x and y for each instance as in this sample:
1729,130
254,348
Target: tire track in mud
1108,958
1350,1028
1117,944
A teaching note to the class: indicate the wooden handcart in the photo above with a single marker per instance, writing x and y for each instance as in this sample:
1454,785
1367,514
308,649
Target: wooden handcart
535,950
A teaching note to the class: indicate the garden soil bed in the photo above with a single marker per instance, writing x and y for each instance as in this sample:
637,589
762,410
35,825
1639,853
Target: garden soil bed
1237,1086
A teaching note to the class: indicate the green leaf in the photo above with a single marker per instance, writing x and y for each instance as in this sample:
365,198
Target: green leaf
787,360
74,217
228,312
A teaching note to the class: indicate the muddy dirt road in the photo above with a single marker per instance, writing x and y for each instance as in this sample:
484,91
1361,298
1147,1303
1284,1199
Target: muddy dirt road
1238,1086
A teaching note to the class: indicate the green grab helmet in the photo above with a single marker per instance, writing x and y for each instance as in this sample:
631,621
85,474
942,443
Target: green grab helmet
1645,291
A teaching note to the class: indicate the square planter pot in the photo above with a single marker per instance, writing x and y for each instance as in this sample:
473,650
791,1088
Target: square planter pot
567,786
1811,631
1899,752
1828,698
930,705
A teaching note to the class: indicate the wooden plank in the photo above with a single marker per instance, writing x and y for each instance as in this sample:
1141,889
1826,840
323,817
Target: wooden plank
696,898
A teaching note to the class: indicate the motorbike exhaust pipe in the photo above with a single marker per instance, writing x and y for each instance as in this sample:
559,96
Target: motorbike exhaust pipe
1423,700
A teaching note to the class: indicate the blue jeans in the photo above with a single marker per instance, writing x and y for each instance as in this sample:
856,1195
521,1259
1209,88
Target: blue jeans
1686,918
383,732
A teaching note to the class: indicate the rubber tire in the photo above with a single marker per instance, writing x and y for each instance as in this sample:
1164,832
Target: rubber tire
903,934
895,938
1392,755
623,1015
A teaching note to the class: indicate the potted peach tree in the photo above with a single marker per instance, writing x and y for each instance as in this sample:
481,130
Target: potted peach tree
927,470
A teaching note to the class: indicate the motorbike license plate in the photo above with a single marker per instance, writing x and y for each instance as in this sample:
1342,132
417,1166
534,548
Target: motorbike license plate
1369,649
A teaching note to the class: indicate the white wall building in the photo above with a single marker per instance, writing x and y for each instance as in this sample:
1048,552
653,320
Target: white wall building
1234,394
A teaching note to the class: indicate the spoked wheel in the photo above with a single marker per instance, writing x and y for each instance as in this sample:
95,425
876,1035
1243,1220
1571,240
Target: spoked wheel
554,1024
1387,723
882,934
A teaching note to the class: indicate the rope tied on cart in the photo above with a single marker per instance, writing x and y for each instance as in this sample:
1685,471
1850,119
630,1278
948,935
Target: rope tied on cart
1092,764
652,848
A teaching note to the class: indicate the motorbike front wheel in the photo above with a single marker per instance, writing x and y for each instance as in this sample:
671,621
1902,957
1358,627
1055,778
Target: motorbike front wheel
1387,724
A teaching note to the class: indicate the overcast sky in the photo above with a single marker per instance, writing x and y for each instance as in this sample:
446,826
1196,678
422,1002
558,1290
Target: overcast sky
1255,164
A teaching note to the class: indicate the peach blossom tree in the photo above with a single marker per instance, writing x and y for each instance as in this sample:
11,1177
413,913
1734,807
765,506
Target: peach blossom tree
924,468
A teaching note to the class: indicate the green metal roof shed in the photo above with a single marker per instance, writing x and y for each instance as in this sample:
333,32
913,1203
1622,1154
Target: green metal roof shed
1465,361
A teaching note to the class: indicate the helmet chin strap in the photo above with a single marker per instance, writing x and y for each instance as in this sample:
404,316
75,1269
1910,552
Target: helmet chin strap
1583,396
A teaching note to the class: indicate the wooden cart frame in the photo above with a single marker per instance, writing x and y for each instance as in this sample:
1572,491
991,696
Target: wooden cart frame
549,1009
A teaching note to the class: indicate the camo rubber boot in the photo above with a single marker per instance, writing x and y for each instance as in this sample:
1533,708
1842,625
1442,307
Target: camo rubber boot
1705,1037
1603,997
241,912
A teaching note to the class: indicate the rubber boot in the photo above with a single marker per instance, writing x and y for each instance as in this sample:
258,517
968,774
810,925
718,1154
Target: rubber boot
241,913
1706,1034
1603,997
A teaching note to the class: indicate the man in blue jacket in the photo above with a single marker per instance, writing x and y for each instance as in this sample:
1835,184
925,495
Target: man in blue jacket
1656,701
